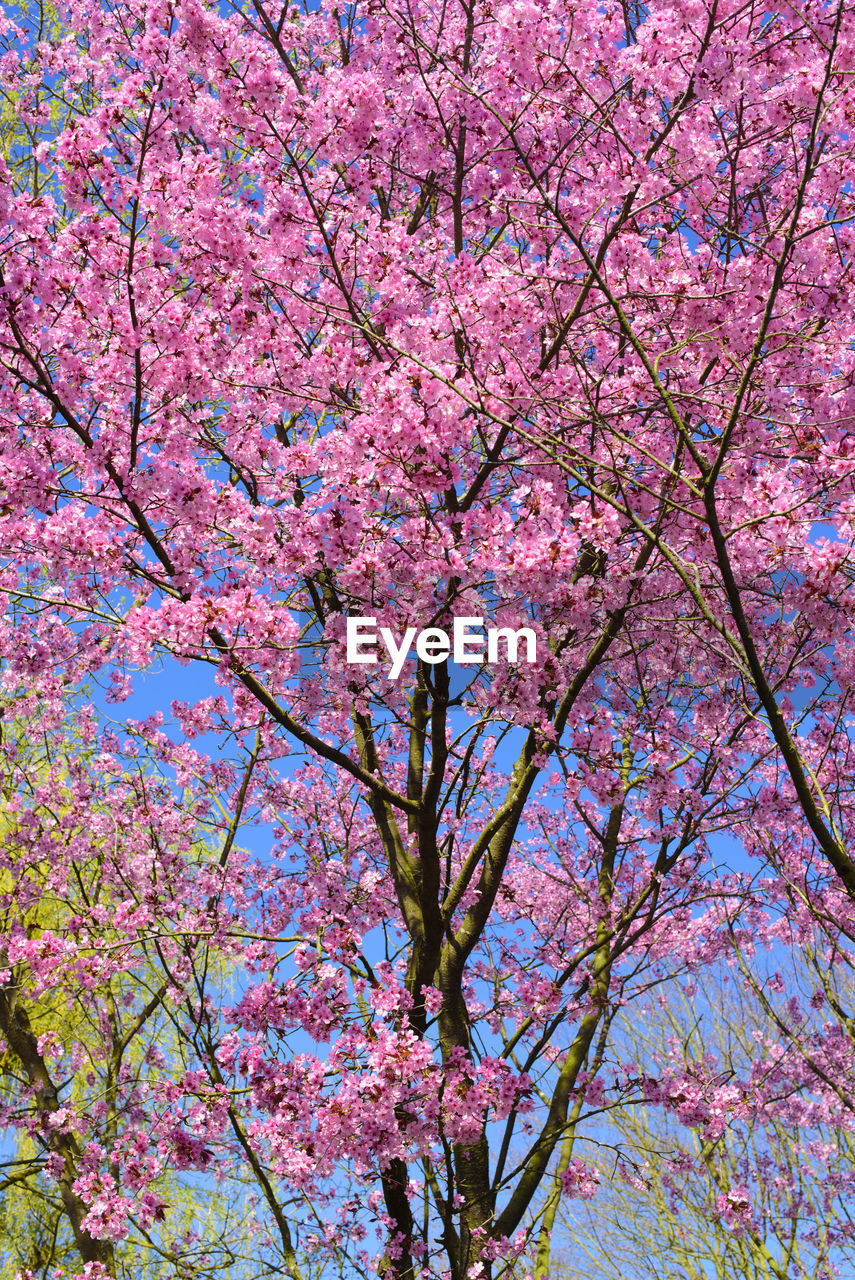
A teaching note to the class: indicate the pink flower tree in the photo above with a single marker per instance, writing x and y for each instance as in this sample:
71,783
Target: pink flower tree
406,313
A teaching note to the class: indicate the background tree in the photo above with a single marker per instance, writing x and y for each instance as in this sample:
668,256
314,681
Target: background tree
747,1169
86,1020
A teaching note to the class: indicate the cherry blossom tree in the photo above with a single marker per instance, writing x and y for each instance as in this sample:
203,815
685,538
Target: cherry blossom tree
528,314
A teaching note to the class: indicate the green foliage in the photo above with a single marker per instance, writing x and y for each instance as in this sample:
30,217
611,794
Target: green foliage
662,1212
121,1027
22,108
